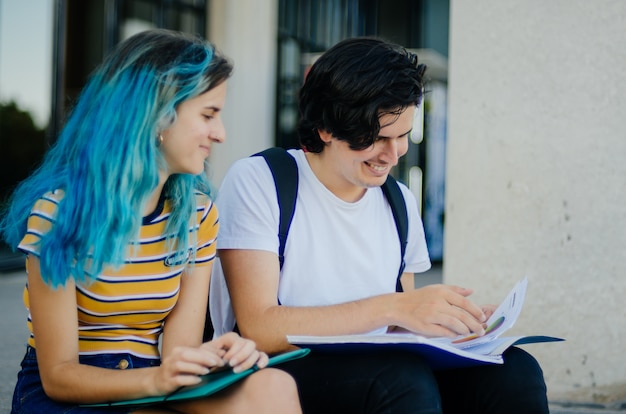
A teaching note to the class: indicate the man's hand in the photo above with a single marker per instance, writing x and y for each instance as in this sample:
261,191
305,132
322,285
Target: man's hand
440,310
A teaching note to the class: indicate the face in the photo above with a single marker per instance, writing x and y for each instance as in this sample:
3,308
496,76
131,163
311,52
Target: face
354,171
187,143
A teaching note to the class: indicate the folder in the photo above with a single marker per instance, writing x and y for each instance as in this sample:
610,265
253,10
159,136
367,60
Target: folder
211,383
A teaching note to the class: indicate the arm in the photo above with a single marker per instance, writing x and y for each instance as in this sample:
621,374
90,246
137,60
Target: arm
64,378
408,281
182,333
183,326
434,310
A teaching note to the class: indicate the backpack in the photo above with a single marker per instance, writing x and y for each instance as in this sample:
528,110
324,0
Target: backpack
285,173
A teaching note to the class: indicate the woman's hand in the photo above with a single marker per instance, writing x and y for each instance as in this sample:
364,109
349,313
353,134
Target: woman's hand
185,366
239,353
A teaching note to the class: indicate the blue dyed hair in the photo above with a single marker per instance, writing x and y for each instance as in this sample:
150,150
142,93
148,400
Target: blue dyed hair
107,161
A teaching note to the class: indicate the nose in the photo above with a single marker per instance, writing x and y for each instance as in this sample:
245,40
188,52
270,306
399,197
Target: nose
218,134
391,151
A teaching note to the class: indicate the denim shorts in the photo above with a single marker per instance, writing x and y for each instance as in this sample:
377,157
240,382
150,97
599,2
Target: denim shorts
30,398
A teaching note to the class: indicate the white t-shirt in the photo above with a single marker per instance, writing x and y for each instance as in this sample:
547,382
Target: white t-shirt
335,252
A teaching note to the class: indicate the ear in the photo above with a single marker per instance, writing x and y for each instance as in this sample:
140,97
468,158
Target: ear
325,136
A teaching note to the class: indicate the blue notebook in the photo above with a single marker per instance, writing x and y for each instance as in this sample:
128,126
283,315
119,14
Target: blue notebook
440,353
437,353
211,383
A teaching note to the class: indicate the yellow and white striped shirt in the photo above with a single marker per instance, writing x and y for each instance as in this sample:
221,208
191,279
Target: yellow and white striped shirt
124,309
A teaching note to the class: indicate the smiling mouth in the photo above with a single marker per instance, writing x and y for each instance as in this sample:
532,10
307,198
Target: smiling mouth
377,168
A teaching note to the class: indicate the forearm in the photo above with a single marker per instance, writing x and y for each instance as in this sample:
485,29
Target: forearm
260,318
270,328
435,310
82,384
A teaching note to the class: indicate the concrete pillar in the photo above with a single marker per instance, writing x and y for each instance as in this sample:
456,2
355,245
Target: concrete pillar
536,177
246,31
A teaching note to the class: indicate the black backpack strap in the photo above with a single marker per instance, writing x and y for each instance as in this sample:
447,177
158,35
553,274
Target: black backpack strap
285,172
398,208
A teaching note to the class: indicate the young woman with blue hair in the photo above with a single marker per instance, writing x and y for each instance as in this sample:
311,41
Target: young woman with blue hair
119,233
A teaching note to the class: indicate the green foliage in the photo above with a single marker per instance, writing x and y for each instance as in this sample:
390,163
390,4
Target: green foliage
22,146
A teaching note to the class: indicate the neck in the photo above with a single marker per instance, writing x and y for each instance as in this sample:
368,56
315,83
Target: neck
332,179
153,200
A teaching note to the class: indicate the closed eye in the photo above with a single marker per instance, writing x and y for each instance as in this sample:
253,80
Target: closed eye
405,135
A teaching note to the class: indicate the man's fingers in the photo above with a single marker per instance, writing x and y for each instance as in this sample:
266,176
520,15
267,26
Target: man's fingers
459,322
460,290
461,301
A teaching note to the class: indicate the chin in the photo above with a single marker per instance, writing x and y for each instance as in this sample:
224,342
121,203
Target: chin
375,182
380,180
191,171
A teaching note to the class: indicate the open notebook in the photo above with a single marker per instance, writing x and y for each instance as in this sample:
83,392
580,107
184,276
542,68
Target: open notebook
440,353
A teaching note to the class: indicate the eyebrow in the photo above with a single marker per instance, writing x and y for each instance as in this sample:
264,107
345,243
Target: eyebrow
213,108
386,137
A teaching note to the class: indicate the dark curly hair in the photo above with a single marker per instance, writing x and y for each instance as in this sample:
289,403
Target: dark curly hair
351,85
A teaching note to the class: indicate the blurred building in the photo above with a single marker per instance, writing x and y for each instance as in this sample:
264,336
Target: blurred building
280,39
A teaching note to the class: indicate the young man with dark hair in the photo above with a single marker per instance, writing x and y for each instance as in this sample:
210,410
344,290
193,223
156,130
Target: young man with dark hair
342,256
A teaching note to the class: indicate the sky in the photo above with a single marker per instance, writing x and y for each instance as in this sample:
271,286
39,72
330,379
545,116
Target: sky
26,36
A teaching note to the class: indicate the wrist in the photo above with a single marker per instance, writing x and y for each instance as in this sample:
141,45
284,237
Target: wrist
151,383
383,312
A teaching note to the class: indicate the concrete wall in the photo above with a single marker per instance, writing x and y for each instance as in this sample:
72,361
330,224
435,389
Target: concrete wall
536,177
536,165
246,31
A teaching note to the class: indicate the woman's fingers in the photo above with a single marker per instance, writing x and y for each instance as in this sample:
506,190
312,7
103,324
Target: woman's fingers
240,353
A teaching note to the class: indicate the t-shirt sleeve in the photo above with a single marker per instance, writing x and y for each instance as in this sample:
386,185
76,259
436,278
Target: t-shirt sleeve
208,228
40,221
416,256
248,207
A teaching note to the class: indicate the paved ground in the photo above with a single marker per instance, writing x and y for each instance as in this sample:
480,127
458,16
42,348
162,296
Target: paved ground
13,334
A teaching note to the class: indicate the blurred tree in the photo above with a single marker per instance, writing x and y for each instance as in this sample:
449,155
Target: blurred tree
22,145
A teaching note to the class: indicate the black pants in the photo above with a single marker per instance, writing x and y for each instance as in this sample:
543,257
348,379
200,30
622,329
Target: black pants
401,382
